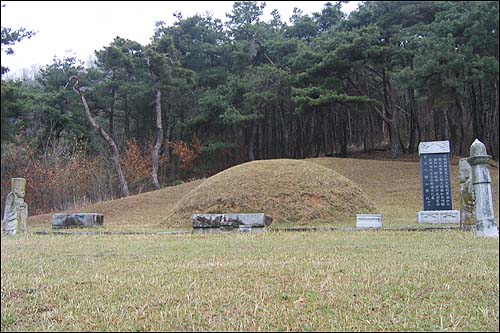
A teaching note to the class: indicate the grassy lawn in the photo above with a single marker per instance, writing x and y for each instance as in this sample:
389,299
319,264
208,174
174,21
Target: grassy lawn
311,281
278,281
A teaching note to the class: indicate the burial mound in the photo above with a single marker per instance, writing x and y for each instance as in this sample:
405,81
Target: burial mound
288,190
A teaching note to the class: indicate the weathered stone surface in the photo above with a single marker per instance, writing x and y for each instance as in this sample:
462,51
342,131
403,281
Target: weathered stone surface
438,216
486,225
223,230
478,149
467,202
433,147
230,220
436,184
245,228
82,220
211,230
436,181
16,209
368,220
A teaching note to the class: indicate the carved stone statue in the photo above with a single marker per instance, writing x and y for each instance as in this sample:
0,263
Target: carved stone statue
467,200
16,210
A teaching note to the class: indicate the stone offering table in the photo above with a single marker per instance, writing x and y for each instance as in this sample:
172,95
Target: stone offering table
215,223
80,220
369,221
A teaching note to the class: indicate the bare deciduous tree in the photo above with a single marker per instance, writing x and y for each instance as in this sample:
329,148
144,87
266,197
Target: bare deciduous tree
115,155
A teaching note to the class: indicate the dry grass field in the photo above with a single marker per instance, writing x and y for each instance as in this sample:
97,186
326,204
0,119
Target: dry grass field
141,212
278,281
393,186
383,280
291,191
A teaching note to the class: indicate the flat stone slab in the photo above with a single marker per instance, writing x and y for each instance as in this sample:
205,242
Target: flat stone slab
80,220
250,220
439,216
368,220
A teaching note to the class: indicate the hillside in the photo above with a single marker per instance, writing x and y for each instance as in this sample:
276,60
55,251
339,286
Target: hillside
134,212
291,191
393,186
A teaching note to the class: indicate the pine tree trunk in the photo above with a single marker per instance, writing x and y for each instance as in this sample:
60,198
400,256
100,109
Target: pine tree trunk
112,115
127,118
158,141
494,134
285,133
393,124
251,142
413,121
115,155
475,114
169,123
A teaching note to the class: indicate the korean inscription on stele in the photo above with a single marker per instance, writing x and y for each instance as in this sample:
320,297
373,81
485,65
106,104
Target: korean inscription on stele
436,185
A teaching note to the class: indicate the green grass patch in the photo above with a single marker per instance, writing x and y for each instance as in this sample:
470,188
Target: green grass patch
278,281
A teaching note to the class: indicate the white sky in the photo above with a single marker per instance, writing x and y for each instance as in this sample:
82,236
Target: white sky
80,27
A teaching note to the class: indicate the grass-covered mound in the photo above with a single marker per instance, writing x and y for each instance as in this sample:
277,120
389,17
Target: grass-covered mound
287,190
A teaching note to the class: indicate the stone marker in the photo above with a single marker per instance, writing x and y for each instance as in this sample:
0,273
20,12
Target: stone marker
481,180
368,220
16,210
81,220
467,220
211,223
439,216
436,184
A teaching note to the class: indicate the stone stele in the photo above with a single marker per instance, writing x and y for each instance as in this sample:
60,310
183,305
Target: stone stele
437,216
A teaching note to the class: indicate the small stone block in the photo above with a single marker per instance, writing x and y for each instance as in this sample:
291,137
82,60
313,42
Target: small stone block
369,220
257,230
82,220
249,229
439,216
244,228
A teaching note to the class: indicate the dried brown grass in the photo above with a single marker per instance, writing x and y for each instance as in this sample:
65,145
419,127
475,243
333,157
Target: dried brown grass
288,190
134,212
276,281
396,186
393,186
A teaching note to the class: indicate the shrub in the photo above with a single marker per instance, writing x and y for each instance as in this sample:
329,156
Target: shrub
186,154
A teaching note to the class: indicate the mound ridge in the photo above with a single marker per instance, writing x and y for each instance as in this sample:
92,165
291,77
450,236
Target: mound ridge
287,190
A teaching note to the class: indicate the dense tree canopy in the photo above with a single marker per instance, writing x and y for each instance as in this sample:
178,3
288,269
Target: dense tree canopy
387,76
